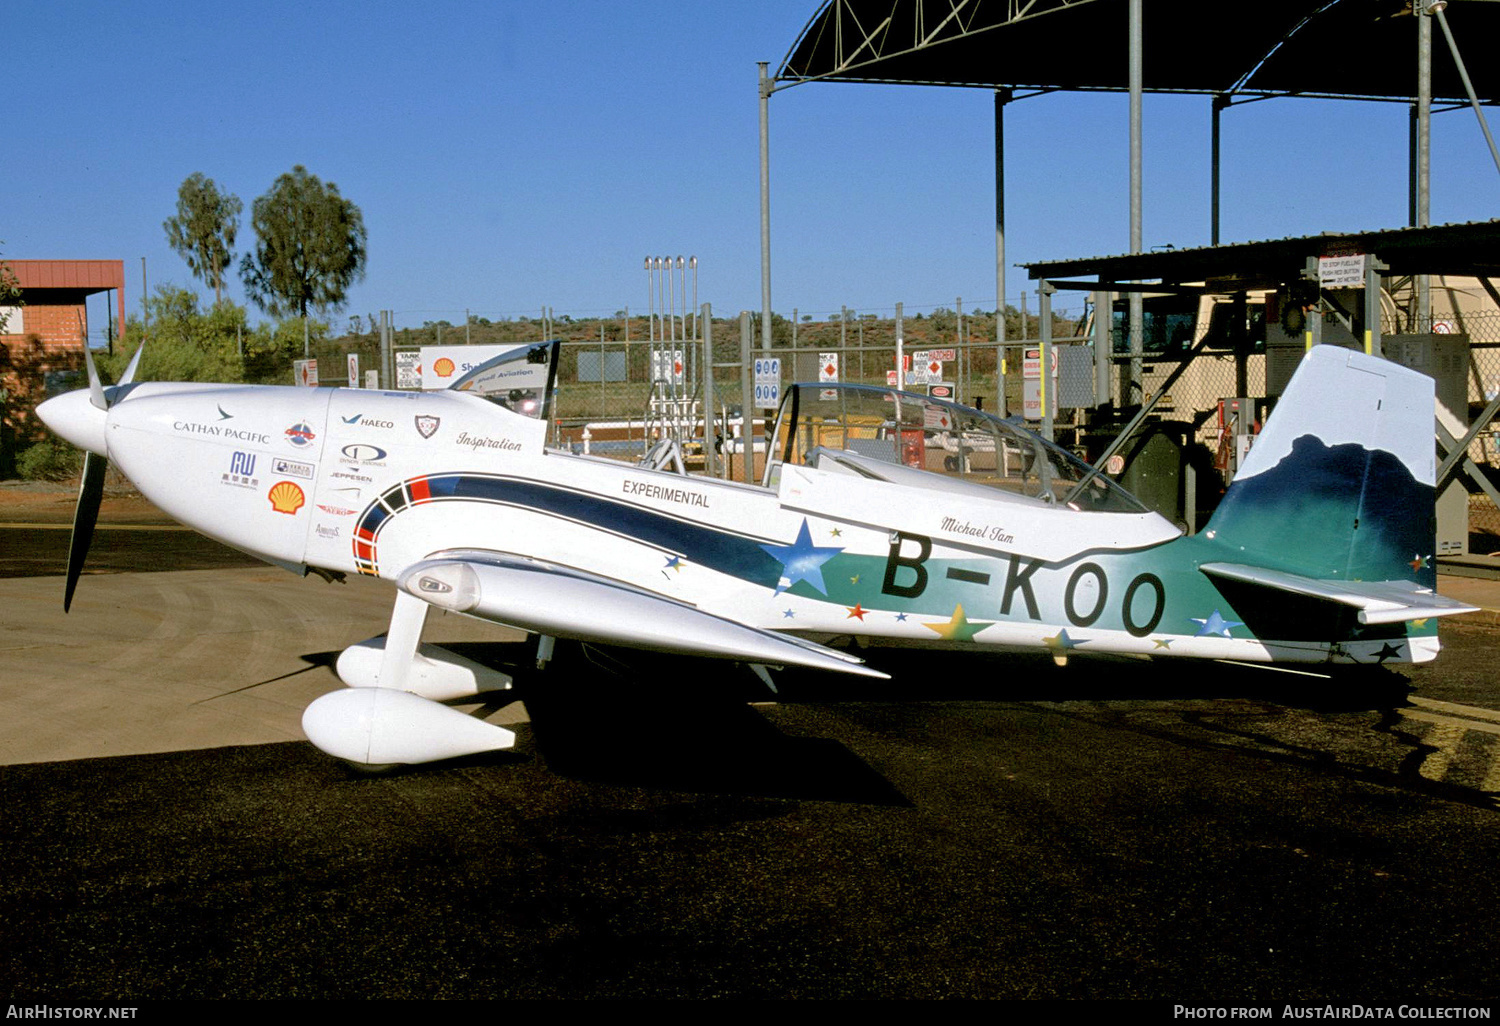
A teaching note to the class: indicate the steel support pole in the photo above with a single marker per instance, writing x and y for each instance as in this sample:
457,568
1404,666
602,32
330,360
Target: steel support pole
1239,332
1424,157
1002,97
1137,307
1463,74
1219,103
1372,338
765,208
1313,330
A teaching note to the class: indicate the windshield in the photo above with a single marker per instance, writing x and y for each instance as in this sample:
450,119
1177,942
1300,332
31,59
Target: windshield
520,379
879,427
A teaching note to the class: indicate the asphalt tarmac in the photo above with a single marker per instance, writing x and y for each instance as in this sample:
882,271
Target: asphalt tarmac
980,827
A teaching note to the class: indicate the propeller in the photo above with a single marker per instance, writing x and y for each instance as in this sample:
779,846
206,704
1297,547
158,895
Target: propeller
85,516
91,484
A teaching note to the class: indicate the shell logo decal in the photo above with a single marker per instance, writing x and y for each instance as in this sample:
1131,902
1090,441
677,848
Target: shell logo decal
286,497
443,368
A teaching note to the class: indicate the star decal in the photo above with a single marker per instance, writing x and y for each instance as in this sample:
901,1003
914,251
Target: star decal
958,627
787,614
673,563
1418,562
1215,624
801,561
1163,642
856,612
1060,642
900,617
1388,651
835,533
854,579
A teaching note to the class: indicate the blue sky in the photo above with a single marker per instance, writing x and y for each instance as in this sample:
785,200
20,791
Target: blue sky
509,155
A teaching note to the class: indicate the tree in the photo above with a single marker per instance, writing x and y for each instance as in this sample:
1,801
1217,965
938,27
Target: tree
203,231
189,344
10,293
310,246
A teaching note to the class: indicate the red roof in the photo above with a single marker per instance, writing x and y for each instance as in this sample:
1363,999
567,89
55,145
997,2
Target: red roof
69,274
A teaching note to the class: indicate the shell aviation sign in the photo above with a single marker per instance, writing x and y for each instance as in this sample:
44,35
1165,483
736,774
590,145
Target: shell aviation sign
441,366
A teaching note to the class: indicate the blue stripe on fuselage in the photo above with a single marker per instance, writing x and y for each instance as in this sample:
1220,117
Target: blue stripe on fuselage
716,549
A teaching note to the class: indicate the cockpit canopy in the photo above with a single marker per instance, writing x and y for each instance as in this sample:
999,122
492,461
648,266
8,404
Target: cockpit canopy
519,379
917,440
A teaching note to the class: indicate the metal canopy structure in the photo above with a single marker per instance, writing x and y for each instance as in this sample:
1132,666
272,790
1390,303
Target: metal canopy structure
1332,48
1338,49
1343,49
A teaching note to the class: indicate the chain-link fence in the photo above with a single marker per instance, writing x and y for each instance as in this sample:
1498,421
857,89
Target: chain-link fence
612,390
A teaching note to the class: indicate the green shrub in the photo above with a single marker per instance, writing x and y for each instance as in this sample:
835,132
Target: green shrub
49,460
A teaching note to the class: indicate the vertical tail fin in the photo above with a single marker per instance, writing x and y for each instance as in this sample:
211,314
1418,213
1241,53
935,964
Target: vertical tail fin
1339,484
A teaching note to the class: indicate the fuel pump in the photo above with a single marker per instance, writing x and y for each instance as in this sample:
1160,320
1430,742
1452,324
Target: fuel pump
1237,428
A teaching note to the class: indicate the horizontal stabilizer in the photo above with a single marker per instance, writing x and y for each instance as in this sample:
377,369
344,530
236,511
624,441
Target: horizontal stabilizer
567,603
1377,601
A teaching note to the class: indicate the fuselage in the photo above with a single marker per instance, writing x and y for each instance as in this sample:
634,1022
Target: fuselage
369,482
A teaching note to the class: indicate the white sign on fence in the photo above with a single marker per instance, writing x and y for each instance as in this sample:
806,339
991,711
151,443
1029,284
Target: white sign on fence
408,369
667,366
828,366
768,382
353,370
305,373
1031,384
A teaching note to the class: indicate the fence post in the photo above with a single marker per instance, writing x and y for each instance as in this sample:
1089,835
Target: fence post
900,351
1104,305
747,396
385,350
705,324
1044,304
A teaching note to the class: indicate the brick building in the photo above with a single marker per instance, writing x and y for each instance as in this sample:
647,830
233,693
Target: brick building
42,340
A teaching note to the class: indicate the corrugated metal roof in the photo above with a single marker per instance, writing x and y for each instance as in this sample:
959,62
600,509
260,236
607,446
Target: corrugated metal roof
1471,250
92,275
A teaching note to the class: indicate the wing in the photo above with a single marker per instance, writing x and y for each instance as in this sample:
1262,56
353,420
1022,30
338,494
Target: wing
568,603
1377,601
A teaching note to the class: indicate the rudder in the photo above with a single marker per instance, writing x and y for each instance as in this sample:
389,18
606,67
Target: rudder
1339,484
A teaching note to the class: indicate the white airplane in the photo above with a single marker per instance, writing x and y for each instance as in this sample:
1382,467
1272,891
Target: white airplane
880,513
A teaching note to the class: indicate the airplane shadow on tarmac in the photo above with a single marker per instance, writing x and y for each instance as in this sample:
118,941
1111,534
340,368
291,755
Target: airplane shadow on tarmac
988,675
1327,691
643,719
